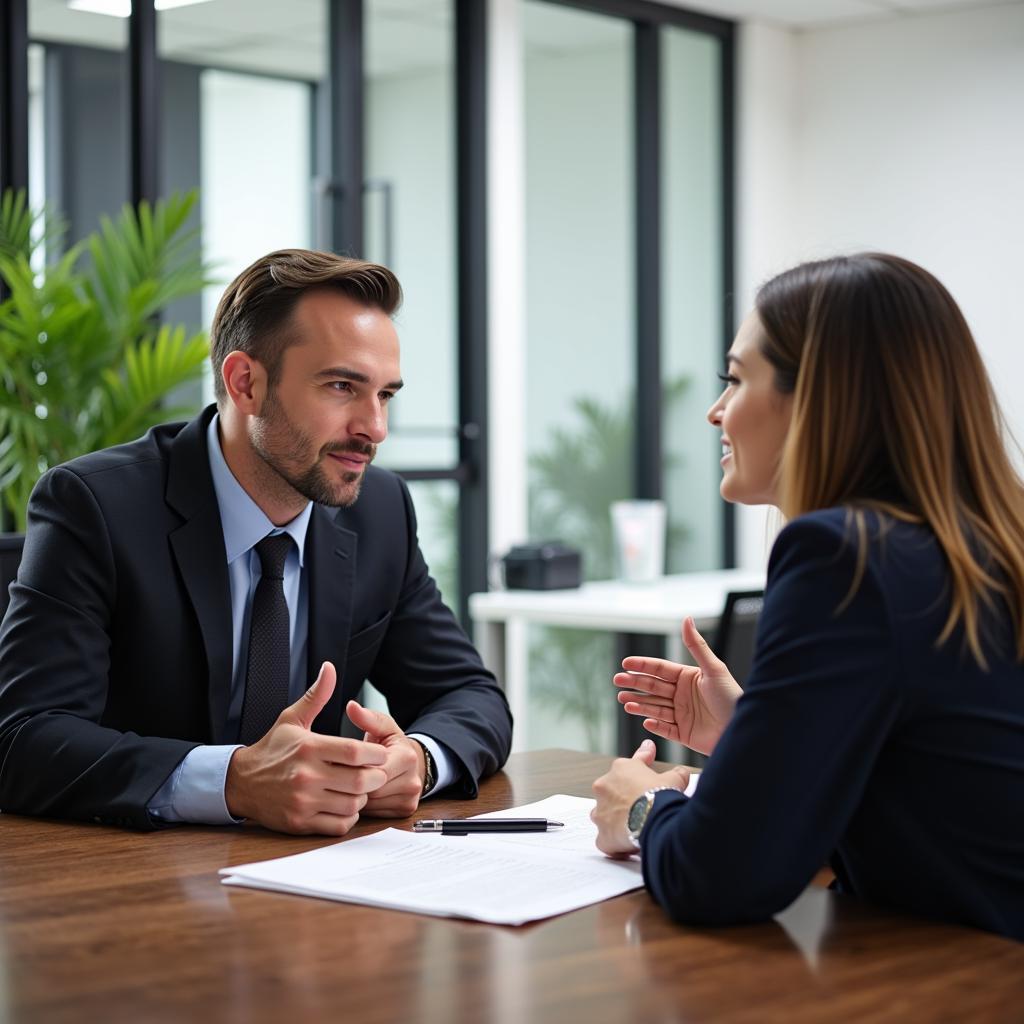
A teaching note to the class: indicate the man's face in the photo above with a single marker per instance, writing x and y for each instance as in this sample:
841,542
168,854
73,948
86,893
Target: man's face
319,426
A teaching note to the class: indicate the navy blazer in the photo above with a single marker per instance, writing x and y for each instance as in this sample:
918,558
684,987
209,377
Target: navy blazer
115,652
857,737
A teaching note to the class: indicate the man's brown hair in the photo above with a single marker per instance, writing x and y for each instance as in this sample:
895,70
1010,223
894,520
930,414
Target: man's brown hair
255,309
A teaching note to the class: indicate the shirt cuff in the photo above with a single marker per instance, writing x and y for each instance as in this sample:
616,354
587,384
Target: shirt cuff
443,762
194,792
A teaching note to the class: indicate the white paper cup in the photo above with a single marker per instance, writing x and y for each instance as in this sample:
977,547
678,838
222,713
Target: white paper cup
638,532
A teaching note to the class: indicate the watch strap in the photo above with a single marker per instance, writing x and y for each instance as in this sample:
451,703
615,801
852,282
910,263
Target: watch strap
429,768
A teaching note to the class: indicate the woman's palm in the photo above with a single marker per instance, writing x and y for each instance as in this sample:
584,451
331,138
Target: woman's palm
689,704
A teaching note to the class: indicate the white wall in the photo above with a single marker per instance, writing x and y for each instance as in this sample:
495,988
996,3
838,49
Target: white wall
903,134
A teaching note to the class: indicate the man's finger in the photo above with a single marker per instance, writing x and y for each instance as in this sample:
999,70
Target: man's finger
375,724
347,753
312,702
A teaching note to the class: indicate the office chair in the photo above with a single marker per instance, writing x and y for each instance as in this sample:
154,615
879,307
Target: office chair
737,631
10,558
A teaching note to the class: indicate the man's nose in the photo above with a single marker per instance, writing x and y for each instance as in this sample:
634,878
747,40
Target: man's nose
371,420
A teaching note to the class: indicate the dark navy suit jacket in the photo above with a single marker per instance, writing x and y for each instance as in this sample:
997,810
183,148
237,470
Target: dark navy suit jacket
115,652
857,738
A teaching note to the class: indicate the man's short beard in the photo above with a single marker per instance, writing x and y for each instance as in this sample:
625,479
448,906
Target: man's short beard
293,446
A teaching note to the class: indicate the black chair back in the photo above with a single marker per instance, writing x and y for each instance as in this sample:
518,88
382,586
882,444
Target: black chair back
10,558
737,631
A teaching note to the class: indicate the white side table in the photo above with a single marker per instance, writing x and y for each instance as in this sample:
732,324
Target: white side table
500,617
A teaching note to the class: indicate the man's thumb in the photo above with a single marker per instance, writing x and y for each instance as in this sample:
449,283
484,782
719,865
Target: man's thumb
375,724
646,752
312,702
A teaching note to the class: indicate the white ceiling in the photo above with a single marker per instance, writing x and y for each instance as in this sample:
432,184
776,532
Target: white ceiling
287,37
817,13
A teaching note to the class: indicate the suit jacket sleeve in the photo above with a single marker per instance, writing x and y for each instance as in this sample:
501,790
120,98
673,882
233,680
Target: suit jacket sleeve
788,773
56,756
433,677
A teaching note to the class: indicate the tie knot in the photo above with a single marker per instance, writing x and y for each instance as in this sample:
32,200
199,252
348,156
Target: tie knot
273,552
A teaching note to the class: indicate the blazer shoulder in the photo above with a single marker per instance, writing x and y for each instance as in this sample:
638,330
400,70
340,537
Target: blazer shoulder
828,534
153,446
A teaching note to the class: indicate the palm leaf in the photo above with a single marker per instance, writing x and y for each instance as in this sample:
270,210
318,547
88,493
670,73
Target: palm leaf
131,394
23,230
83,361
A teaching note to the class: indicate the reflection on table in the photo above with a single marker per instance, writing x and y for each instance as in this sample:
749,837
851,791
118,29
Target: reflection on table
98,924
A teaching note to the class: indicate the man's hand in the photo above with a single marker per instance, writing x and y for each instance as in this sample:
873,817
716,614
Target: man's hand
295,780
687,704
400,795
618,789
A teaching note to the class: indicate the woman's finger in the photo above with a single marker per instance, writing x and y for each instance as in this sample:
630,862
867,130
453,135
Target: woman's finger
650,711
632,697
646,684
652,667
664,729
700,649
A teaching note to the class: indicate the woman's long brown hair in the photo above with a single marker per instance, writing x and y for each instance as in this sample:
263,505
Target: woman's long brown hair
893,410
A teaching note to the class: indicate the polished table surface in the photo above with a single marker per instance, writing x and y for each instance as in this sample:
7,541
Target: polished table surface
98,924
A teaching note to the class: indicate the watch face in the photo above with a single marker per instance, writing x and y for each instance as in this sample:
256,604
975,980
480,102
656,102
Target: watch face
638,814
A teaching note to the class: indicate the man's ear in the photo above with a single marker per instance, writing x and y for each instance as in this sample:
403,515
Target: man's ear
245,381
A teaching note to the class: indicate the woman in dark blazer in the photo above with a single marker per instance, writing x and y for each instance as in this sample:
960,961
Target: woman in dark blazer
882,724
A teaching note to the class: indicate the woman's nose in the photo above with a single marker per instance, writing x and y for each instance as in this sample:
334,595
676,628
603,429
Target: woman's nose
715,412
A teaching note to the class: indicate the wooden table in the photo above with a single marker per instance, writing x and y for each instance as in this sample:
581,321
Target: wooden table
97,924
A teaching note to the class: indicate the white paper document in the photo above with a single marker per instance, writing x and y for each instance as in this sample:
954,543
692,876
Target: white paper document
503,878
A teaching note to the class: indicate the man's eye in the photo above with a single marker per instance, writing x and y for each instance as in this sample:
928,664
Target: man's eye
340,385
386,396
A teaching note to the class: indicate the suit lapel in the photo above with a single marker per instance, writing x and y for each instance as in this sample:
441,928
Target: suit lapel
198,546
331,564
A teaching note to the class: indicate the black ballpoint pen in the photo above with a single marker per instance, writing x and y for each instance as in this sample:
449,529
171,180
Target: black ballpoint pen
463,826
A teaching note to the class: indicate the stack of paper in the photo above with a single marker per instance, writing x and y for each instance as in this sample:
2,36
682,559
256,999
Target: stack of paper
503,878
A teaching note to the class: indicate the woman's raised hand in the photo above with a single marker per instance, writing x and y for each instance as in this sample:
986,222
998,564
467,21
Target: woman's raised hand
690,704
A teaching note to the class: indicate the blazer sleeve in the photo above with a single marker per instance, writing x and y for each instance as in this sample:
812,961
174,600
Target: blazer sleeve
789,771
56,756
433,678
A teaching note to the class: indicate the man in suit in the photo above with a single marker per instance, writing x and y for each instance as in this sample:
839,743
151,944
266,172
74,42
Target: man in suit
178,593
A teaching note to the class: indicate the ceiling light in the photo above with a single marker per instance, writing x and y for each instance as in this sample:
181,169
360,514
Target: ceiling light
123,8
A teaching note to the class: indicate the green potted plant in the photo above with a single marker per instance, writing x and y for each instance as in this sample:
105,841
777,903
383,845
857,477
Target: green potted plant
84,360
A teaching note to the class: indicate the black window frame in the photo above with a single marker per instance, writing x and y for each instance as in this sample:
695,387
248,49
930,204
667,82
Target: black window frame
347,180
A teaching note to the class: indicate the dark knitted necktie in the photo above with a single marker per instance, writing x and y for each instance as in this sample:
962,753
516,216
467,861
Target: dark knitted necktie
269,665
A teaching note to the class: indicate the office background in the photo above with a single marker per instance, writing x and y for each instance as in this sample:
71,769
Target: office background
580,199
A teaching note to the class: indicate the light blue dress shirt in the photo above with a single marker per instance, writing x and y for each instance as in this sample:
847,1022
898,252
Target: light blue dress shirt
195,790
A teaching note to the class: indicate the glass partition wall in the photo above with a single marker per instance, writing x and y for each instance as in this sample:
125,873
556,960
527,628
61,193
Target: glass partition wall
361,125
628,280
580,363
409,223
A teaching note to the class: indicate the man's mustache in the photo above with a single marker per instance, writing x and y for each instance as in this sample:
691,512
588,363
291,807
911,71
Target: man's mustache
356,447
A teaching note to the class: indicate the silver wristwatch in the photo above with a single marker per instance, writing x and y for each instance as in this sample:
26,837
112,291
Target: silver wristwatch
637,817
